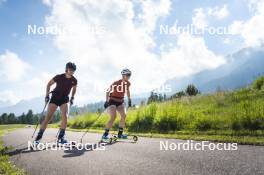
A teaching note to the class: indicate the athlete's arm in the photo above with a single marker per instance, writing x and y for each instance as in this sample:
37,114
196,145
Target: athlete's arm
129,98
50,83
74,88
108,91
128,94
107,95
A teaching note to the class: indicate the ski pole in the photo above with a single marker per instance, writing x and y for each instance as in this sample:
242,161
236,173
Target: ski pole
42,113
92,124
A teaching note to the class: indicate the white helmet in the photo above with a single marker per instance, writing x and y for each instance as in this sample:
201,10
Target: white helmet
126,72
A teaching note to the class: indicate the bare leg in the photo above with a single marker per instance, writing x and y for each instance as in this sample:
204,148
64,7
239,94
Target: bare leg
51,109
64,111
112,112
121,111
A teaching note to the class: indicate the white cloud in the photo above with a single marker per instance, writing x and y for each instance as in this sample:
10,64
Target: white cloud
47,2
218,12
9,97
151,11
199,19
254,5
100,58
226,41
126,43
190,56
27,88
236,27
12,68
35,86
251,30
22,80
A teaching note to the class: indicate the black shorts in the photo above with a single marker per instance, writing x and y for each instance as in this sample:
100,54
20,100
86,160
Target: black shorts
116,103
58,101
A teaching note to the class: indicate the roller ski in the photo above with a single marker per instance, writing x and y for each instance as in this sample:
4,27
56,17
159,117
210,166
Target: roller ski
125,138
107,139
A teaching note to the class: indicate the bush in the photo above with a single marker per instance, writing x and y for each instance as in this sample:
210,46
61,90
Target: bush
142,123
178,95
170,117
252,116
258,84
202,123
191,90
144,119
168,123
236,124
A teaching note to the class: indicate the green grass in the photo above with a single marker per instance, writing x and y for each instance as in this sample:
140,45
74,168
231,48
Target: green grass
236,116
6,167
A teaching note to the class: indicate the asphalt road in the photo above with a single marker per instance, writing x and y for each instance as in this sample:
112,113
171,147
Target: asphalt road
120,158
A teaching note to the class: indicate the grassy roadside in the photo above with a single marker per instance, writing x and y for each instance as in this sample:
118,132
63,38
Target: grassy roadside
241,137
6,167
224,116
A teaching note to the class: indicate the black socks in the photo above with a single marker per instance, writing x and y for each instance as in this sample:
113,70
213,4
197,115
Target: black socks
106,132
41,131
120,131
40,134
62,133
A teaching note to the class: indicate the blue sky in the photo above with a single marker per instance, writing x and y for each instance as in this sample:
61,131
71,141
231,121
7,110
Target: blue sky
14,17
130,38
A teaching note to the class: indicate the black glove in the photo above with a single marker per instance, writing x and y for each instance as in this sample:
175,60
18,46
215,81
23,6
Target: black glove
129,103
106,104
71,101
47,98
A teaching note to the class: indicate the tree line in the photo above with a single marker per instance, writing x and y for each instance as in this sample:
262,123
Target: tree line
191,90
25,118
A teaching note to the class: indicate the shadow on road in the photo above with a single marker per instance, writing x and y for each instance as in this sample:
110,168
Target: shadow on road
78,152
69,151
21,150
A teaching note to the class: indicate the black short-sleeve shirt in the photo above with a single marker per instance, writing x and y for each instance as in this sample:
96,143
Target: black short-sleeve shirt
63,84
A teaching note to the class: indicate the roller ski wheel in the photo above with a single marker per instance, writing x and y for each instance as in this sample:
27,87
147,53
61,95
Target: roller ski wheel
109,140
106,139
135,138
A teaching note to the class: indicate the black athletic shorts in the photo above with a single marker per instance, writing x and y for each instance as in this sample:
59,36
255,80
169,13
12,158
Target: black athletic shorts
116,103
58,101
